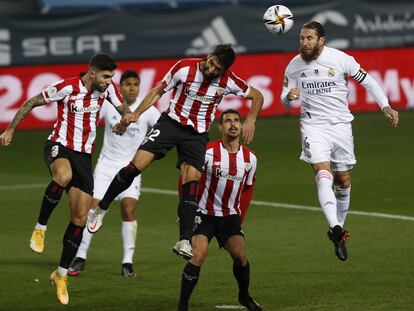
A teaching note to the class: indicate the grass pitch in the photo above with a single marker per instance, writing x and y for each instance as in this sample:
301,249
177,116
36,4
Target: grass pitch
292,262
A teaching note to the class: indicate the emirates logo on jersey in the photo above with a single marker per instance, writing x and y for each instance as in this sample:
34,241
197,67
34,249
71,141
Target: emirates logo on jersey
78,108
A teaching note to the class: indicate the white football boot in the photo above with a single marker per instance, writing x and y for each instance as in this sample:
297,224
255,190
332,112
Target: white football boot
183,248
94,222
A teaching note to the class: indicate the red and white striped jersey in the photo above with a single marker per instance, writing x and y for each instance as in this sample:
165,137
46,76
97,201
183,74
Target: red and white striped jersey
224,177
195,99
78,112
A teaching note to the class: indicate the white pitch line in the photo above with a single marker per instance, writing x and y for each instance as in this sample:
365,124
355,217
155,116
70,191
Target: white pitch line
254,202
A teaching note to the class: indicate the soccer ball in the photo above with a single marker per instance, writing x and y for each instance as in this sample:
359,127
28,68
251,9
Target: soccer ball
278,19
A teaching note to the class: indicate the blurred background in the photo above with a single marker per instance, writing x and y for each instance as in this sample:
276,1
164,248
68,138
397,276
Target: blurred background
42,41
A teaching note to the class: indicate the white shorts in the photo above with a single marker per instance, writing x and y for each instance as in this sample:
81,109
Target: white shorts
105,172
327,142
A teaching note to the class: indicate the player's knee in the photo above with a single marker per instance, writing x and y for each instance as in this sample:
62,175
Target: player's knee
79,219
343,182
128,214
63,178
240,259
199,256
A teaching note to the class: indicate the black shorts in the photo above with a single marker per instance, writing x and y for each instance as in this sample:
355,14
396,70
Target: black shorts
167,134
220,227
81,164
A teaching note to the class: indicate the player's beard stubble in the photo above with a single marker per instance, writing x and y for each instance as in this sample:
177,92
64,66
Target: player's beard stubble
309,54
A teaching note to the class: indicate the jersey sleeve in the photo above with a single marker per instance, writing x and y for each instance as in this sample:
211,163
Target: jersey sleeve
357,73
289,83
57,91
154,115
114,97
236,86
251,175
173,77
104,110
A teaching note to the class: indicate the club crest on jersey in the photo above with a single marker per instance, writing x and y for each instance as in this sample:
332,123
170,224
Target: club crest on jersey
51,91
316,71
220,91
331,73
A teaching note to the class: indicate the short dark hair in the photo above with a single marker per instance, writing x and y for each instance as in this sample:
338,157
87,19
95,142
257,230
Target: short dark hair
227,111
129,74
225,54
102,61
315,26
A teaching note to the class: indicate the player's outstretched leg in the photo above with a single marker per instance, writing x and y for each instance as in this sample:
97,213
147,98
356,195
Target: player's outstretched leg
121,182
338,236
51,198
187,209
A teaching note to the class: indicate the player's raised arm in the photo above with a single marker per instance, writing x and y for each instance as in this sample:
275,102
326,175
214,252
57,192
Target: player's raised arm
373,88
248,128
150,99
35,101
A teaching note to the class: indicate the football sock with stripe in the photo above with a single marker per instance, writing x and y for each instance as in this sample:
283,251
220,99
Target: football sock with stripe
121,182
327,199
71,242
189,280
343,198
187,209
51,198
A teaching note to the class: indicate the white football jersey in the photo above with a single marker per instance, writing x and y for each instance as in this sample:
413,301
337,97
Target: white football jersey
122,148
323,85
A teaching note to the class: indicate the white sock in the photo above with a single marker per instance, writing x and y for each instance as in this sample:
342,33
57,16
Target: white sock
62,271
129,235
327,200
86,241
343,197
39,226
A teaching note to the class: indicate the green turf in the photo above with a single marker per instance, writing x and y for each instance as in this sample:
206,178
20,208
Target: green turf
292,262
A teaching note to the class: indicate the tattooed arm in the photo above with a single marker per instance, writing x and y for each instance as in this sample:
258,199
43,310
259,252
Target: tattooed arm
35,101
123,109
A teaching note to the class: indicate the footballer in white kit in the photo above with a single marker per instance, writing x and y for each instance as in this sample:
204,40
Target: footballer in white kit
117,151
318,78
